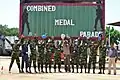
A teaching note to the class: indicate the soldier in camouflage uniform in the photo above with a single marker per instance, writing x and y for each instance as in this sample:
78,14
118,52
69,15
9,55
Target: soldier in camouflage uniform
93,57
57,56
83,56
49,50
41,56
102,57
75,55
33,55
15,55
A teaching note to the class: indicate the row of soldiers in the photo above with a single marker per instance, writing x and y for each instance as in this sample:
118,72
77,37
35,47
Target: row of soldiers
40,52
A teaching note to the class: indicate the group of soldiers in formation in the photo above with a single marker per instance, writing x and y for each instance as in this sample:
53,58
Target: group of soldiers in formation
83,54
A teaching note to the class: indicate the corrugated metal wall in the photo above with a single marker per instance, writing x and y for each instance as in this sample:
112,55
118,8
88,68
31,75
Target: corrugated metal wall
44,22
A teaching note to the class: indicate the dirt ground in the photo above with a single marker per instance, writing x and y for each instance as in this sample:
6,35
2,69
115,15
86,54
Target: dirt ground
14,75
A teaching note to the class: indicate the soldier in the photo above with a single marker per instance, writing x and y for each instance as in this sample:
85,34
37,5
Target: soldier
41,56
102,57
33,55
92,57
83,56
75,55
24,56
15,55
49,50
66,50
57,56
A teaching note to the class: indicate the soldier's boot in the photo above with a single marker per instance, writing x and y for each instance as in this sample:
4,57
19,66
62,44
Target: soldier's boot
89,66
77,68
59,66
39,67
22,70
46,68
103,71
100,72
27,71
93,71
18,64
65,68
72,68
85,70
81,69
30,70
55,68
50,68
34,67
10,66
42,68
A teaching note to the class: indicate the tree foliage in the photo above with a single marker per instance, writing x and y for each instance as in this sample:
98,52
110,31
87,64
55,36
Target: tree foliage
114,35
4,30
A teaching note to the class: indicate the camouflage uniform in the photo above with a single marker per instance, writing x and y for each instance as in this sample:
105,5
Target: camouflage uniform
49,51
41,56
92,57
102,57
33,56
83,57
15,56
74,57
57,57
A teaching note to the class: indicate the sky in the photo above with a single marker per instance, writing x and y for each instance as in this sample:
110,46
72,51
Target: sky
9,12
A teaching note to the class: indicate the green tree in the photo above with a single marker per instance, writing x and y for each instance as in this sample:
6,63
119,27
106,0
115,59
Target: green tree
4,30
114,35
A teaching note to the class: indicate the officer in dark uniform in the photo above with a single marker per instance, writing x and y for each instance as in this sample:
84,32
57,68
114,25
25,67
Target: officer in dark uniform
83,56
15,55
33,55
92,57
41,56
75,55
57,56
24,56
102,56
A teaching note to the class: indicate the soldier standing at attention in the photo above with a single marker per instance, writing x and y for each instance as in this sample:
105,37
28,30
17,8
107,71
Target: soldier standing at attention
57,57
75,55
15,55
49,50
33,55
66,50
102,57
92,57
83,56
41,46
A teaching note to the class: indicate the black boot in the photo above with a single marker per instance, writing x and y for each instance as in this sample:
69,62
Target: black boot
72,68
42,68
100,72
93,71
59,67
77,68
46,68
85,70
81,69
22,71
65,68
103,71
50,68
55,68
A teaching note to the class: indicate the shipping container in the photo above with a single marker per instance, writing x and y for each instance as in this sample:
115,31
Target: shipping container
54,19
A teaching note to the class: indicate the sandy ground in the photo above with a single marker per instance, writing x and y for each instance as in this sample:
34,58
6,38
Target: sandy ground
4,61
